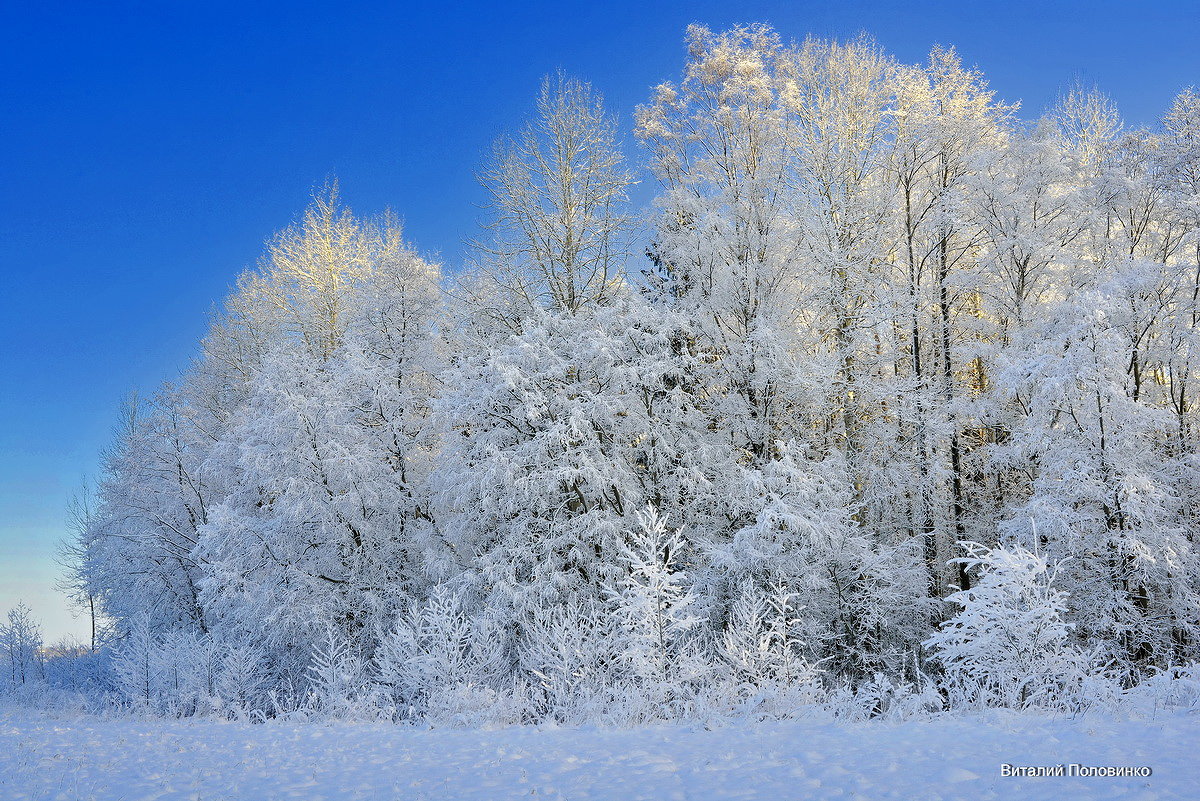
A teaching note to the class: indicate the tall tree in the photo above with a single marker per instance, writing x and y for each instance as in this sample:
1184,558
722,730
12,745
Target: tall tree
559,191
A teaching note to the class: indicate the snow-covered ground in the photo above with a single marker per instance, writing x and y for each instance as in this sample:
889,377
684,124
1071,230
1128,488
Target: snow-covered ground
93,758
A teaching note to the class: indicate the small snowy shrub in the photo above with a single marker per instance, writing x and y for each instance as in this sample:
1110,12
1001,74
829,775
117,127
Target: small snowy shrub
339,677
1171,688
21,648
658,650
1008,644
438,661
763,648
136,667
477,706
881,697
569,654
187,665
241,683
181,674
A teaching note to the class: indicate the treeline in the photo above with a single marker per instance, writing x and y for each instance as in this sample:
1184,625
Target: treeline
904,392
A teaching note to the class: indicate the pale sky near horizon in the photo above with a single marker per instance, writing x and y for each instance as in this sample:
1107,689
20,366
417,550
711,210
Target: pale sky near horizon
146,151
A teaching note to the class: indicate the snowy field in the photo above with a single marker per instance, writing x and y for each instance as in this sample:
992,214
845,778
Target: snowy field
107,760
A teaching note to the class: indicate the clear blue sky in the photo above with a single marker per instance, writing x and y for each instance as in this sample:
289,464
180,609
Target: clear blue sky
147,149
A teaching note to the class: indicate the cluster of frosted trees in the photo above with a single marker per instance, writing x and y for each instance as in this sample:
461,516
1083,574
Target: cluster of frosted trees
903,390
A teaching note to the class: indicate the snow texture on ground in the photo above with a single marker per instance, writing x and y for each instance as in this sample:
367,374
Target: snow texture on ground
139,760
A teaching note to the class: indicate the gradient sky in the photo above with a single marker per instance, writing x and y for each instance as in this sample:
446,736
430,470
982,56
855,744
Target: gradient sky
146,150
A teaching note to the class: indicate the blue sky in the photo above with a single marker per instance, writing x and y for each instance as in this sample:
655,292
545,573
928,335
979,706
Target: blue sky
147,149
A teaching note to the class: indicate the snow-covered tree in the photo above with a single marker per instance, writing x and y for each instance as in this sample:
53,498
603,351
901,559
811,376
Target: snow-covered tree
327,454
1009,642
242,681
138,548
879,317
554,443
864,608
560,226
21,641
658,648
1101,493
136,666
